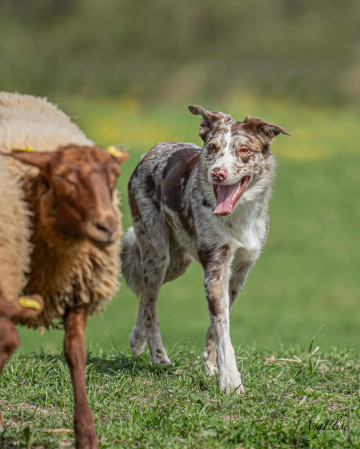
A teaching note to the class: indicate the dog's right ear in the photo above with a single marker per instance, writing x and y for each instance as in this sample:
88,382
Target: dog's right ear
209,119
199,110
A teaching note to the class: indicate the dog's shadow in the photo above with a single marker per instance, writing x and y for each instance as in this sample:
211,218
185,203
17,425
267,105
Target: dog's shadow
126,364
118,363
4,444
114,364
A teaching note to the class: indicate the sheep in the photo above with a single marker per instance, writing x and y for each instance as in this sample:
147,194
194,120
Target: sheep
14,235
68,185
14,263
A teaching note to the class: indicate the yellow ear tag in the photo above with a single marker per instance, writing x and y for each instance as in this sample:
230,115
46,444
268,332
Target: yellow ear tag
28,148
114,151
29,303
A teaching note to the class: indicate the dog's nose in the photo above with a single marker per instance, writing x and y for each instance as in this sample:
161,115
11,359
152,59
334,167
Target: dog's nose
219,174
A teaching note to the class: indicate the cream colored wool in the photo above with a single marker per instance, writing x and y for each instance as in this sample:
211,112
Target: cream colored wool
27,120
65,274
14,235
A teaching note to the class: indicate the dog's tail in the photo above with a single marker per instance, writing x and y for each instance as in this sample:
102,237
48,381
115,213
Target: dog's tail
131,262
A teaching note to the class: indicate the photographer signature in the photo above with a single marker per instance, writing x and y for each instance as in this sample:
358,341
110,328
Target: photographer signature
339,424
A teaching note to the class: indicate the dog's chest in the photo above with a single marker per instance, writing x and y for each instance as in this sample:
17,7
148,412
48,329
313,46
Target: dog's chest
245,230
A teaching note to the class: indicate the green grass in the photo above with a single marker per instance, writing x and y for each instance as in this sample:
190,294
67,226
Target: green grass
141,406
307,277
308,274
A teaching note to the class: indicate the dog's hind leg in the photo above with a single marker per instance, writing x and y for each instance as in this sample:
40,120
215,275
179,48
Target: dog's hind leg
147,328
154,252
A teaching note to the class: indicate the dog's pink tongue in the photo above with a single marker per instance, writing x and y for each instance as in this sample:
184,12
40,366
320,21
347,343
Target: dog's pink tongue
224,199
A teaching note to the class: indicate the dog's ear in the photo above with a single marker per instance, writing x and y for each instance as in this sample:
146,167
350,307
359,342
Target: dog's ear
264,131
209,119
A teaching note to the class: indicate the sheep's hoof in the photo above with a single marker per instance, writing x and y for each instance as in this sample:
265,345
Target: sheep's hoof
86,439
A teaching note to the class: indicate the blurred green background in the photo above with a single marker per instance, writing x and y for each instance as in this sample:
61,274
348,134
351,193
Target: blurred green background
125,71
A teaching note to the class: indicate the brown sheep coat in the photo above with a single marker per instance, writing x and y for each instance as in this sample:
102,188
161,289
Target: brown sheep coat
65,273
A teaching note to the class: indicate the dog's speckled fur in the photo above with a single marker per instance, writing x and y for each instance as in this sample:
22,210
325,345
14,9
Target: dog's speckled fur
171,197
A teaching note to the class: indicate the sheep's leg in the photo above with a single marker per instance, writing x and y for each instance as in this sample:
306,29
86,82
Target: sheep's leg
9,341
75,353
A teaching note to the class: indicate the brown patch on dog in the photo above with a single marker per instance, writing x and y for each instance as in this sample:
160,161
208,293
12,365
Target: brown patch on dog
265,132
192,164
210,121
176,176
214,293
133,204
211,260
260,132
245,158
153,191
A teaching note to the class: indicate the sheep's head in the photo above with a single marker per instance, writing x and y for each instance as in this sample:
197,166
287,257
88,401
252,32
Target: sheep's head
78,184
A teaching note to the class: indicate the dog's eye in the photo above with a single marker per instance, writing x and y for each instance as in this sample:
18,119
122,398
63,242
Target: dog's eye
212,150
243,151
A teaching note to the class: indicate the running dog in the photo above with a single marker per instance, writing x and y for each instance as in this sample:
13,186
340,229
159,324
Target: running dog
210,204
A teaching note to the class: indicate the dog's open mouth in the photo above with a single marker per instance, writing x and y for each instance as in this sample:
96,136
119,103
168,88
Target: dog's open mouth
227,196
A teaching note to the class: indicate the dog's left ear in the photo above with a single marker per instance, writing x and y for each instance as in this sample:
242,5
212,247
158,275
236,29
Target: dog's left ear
209,119
264,131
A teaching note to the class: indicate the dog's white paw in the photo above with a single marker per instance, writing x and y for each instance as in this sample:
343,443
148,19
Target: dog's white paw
231,381
161,358
210,368
138,342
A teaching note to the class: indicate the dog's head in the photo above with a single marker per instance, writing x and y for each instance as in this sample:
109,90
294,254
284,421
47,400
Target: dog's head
234,154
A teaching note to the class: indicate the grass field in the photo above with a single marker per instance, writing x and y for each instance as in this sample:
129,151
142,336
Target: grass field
308,274
137,405
306,279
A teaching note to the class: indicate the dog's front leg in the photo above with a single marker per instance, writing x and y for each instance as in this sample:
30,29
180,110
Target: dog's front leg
217,272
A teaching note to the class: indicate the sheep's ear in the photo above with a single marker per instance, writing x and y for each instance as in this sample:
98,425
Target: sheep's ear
264,131
209,120
39,159
118,153
124,157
